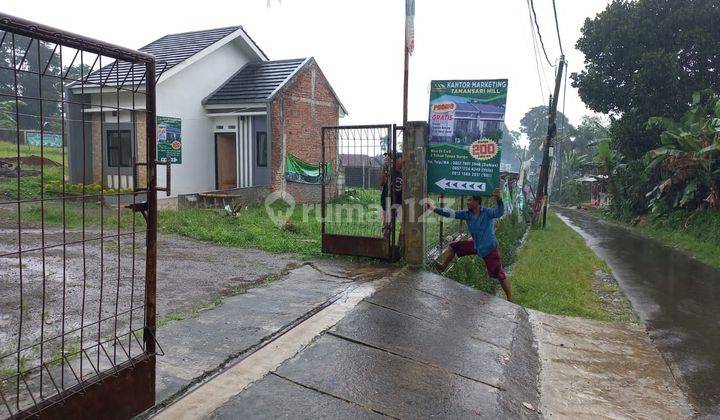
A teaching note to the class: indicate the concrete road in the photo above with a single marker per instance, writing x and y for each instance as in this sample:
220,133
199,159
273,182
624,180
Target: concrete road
417,345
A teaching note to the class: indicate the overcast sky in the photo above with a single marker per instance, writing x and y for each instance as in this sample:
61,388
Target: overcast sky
359,43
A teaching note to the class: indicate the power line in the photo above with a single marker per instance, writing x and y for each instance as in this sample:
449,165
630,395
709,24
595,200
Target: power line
532,6
536,57
557,27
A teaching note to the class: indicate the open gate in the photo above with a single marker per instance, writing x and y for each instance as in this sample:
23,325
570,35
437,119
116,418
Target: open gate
357,217
78,221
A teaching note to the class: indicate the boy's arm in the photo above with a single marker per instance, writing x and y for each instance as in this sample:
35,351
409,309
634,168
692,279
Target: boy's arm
448,212
499,208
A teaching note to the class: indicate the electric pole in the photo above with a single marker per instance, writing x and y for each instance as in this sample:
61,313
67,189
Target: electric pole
541,198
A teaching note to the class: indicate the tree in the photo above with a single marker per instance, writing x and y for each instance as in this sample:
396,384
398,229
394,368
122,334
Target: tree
645,58
687,165
534,125
32,57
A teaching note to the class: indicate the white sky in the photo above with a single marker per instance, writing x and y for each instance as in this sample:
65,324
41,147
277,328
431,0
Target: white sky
359,43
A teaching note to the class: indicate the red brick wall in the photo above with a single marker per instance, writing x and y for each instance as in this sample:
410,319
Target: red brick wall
297,115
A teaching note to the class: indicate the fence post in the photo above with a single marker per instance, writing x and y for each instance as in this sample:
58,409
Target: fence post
414,191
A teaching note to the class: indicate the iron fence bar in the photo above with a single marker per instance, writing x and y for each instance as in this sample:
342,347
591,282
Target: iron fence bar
84,181
322,181
72,197
135,184
64,252
28,347
102,212
151,236
19,219
79,241
47,33
75,82
42,219
119,269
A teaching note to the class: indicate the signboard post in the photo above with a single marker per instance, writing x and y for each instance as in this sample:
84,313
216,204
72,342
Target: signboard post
169,140
466,122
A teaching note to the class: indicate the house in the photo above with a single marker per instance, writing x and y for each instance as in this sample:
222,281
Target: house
484,119
360,171
232,116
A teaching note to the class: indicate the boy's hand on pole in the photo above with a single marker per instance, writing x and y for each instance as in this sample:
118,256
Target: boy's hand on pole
429,206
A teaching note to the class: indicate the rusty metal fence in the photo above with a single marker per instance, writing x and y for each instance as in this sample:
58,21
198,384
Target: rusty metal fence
358,213
78,226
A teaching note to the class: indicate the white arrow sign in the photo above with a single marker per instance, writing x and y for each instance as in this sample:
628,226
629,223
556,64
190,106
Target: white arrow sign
461,185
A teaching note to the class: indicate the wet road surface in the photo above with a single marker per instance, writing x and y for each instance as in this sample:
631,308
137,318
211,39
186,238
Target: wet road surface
676,297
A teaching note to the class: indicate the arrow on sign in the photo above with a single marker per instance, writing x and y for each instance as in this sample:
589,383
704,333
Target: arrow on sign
461,185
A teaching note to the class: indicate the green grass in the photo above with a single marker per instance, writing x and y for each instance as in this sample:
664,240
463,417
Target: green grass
555,272
251,228
693,232
9,150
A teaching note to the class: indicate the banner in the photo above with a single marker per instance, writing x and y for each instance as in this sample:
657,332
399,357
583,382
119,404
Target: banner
169,140
466,123
48,140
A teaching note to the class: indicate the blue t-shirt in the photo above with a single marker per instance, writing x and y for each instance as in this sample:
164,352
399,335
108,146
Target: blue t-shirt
480,227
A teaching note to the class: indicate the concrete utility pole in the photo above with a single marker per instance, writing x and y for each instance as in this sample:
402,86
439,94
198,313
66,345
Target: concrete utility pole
414,192
541,197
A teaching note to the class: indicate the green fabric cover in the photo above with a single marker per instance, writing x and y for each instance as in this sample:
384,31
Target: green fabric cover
297,170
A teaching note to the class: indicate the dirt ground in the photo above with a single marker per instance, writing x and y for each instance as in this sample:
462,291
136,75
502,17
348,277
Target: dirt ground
190,275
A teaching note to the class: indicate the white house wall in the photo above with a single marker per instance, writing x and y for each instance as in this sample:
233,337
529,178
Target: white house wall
181,96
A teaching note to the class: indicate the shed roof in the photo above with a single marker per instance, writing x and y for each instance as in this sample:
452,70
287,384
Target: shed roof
255,82
169,51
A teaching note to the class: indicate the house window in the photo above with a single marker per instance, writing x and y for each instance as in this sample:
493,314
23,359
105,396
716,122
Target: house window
119,148
261,148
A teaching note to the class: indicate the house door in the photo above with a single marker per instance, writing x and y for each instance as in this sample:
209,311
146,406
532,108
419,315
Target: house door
225,161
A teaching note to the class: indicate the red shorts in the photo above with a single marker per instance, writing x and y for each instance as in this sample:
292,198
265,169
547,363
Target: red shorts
492,260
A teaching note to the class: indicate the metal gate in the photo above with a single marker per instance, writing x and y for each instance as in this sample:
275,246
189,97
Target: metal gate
357,218
78,221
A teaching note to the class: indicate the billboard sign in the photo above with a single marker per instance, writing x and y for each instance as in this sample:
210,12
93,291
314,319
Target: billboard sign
169,140
466,123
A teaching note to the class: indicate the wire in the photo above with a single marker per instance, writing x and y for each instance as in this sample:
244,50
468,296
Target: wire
535,55
532,6
557,27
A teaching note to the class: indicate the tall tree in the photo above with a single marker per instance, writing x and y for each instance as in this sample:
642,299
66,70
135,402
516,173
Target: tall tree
535,124
645,58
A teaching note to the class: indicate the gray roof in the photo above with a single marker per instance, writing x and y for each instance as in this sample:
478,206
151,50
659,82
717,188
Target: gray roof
255,82
168,51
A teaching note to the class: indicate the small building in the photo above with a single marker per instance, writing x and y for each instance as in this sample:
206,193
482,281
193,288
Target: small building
361,171
236,115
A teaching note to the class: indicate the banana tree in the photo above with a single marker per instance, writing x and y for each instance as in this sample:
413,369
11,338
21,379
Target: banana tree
688,162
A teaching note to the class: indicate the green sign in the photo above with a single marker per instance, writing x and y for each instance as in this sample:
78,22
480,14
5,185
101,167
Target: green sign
466,123
48,140
169,140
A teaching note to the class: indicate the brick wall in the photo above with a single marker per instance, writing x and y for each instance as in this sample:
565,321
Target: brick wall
298,113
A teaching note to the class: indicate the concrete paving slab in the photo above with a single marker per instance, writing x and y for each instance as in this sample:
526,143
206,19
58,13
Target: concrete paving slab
425,342
591,367
459,294
402,297
199,345
389,384
274,397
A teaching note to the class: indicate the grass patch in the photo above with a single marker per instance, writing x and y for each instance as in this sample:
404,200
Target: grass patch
251,228
555,272
9,150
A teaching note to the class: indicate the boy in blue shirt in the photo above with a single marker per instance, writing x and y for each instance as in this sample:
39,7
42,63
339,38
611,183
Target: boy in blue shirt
479,221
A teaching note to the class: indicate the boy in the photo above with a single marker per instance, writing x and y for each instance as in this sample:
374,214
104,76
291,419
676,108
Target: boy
479,221
391,195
